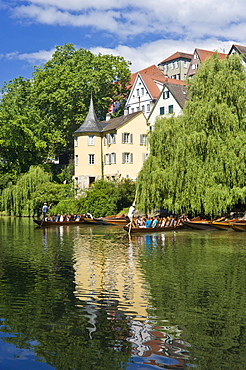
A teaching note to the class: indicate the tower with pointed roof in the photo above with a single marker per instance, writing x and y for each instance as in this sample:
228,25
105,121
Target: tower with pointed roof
88,150
113,149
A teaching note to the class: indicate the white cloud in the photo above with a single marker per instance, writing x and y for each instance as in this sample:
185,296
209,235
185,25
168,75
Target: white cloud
154,52
140,57
193,19
41,56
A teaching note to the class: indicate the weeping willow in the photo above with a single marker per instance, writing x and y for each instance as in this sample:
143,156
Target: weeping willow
17,199
197,161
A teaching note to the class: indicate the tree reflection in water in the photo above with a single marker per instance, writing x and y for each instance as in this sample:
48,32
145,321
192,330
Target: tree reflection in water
90,298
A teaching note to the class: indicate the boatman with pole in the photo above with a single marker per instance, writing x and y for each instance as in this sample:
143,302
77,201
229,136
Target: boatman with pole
45,210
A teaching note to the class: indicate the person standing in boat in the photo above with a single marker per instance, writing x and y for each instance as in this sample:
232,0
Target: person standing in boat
45,210
131,213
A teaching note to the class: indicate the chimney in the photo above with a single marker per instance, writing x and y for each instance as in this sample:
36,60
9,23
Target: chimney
107,117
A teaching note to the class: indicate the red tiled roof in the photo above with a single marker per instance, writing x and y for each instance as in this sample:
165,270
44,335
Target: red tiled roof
151,70
176,56
205,54
150,76
150,83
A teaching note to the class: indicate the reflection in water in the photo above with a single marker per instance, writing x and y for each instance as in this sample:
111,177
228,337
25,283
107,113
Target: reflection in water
87,297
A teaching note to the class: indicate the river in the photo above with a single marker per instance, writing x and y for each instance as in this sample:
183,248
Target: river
88,297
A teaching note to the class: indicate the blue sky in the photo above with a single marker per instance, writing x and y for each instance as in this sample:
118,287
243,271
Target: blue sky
145,34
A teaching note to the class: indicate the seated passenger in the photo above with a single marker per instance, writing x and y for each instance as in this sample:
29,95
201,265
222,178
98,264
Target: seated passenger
148,222
155,222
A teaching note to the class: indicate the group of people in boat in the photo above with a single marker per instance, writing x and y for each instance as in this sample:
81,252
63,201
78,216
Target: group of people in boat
156,221
63,217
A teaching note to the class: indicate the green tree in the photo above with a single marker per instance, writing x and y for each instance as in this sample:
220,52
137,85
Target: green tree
20,146
39,116
63,86
25,198
106,198
197,161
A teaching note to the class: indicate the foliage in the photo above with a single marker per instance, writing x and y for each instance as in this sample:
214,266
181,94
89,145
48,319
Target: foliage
64,206
39,116
33,188
106,198
197,161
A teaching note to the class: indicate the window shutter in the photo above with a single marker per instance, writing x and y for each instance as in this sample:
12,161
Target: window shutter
105,140
131,157
122,138
123,157
141,139
114,139
131,138
109,159
104,158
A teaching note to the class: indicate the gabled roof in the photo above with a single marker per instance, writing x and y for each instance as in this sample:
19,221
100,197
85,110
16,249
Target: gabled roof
177,55
91,123
152,80
205,54
115,123
241,49
179,92
151,70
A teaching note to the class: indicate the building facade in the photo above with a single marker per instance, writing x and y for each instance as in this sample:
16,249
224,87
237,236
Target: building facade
176,66
112,149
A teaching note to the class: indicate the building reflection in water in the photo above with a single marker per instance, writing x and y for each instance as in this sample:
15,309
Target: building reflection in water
109,278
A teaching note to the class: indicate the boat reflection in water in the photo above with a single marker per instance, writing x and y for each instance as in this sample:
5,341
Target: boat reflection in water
110,281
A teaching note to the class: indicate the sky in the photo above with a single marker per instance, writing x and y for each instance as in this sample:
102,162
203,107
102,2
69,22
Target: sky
144,34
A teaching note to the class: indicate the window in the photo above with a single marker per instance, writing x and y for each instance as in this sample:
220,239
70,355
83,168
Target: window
177,64
107,159
132,110
137,91
166,94
76,160
127,157
185,64
194,66
148,108
162,110
111,138
142,91
142,139
170,109
137,109
143,108
127,138
196,56
113,158
90,139
76,141
91,158
165,67
173,65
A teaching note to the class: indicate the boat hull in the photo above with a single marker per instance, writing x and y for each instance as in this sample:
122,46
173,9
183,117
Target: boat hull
238,226
147,230
57,223
199,225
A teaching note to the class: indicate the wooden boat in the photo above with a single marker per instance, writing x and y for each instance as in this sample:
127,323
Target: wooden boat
199,224
239,225
223,225
148,230
57,223
108,220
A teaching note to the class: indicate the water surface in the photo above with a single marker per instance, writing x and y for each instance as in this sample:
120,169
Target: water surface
88,297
